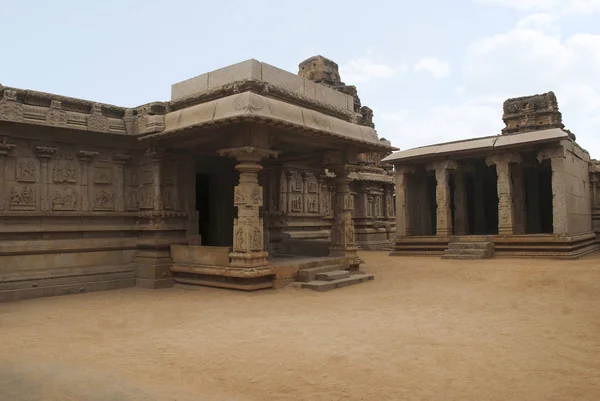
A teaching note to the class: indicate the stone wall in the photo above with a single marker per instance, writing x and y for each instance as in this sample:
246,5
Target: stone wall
578,189
82,214
595,195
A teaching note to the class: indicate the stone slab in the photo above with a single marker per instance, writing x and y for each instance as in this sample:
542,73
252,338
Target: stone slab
322,286
333,275
310,274
75,288
200,255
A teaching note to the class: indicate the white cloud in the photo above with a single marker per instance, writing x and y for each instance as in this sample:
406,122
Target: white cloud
436,67
562,6
364,70
522,61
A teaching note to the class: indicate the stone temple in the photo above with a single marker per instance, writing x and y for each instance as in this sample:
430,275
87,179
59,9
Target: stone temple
252,177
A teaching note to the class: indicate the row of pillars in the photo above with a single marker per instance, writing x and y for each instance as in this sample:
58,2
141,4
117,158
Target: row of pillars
248,229
511,197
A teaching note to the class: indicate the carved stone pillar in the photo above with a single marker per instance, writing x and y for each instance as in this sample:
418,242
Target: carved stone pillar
5,149
479,221
506,205
403,226
443,196
559,188
461,213
248,236
44,153
594,187
518,183
87,187
343,241
120,160
157,157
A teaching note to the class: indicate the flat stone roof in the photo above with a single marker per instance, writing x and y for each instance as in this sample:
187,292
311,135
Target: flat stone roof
251,105
477,145
259,71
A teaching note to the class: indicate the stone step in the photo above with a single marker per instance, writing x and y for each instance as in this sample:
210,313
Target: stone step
463,257
468,253
469,245
310,274
193,282
333,275
322,286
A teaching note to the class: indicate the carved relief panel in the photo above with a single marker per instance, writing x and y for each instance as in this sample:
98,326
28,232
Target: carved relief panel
27,170
23,198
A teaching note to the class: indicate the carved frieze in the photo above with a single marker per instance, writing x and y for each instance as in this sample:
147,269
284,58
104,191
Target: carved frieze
96,121
133,200
103,175
22,198
64,199
64,172
26,171
146,199
312,204
104,199
10,109
147,177
296,203
56,116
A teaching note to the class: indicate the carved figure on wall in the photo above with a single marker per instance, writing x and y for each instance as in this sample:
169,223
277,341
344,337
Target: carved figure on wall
103,175
22,198
240,198
64,173
312,205
146,198
147,177
297,203
26,171
255,242
64,199
312,186
105,199
133,200
256,196
239,239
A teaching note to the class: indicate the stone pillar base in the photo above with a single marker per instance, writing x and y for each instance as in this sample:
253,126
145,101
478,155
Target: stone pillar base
249,259
154,269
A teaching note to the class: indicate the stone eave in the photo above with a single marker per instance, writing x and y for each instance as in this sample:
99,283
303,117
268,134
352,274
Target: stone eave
360,176
249,106
264,89
37,98
476,146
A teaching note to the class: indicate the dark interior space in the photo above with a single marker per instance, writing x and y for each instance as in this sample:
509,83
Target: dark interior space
538,199
432,201
451,185
203,207
490,199
482,200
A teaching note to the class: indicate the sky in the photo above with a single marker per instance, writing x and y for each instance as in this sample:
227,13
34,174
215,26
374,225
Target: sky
432,71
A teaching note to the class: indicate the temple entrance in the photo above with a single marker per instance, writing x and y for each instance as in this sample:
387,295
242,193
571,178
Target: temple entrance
482,200
538,199
215,179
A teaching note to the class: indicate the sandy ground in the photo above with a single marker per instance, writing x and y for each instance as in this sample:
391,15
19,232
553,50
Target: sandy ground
425,329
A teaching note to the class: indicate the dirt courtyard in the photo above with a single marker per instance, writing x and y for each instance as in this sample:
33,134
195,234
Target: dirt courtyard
424,329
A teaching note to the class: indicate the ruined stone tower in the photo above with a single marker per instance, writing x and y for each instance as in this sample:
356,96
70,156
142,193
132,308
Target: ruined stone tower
532,113
326,72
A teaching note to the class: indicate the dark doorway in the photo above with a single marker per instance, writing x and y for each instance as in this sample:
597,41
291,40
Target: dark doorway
203,206
432,200
538,199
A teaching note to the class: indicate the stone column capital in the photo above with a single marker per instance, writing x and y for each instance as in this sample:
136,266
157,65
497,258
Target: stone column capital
550,153
119,158
503,158
45,152
404,169
249,153
6,148
86,156
442,165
